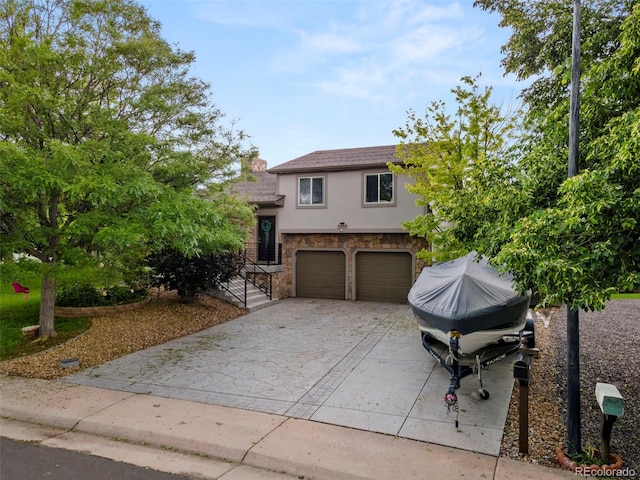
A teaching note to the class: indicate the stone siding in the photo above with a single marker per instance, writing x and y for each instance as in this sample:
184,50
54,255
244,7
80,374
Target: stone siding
350,243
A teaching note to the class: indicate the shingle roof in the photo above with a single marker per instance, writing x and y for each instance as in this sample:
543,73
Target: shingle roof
342,159
261,191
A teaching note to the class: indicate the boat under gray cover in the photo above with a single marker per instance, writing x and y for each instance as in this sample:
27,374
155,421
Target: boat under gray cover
467,295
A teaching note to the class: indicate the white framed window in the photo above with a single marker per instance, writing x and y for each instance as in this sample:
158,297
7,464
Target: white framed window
310,191
378,188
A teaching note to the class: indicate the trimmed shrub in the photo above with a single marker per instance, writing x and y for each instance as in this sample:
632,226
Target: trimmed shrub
191,275
84,295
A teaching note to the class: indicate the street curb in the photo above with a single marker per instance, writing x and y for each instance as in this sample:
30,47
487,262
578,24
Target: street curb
264,441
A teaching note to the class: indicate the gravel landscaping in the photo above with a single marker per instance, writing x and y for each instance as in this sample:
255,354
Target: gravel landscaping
608,353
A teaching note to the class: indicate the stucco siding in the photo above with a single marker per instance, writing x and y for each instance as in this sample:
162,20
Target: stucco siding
344,202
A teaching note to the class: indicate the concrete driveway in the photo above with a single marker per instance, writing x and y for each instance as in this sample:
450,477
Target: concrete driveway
354,364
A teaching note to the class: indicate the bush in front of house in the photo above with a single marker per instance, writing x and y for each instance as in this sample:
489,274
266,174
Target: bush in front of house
192,275
85,295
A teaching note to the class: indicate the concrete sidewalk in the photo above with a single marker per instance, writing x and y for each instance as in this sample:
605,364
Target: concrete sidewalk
216,442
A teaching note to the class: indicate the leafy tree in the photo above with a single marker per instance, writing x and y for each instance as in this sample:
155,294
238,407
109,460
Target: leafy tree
463,172
109,148
579,242
540,48
192,275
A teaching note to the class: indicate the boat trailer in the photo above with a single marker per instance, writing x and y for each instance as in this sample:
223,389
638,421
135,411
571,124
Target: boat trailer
460,367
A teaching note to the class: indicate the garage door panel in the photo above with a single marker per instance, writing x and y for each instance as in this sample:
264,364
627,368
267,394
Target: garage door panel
383,276
320,274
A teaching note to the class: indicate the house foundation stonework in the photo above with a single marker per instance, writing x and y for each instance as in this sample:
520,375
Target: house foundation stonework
348,243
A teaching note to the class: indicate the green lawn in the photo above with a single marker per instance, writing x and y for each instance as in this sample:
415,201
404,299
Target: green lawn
16,312
619,296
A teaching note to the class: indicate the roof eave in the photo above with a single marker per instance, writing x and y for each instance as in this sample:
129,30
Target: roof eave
276,202
332,168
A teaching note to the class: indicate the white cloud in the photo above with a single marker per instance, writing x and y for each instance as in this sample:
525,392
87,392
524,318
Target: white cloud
367,81
424,44
415,12
329,43
379,48
354,49
241,14
304,75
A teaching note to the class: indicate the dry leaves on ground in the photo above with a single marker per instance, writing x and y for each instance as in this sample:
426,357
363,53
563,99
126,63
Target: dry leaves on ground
116,335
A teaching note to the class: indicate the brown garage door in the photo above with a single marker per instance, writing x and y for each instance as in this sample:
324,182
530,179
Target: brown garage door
320,274
383,276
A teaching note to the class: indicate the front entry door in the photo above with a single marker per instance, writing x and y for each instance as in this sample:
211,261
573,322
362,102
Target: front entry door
267,238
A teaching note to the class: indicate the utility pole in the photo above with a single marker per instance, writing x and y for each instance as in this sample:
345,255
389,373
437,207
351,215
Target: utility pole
573,324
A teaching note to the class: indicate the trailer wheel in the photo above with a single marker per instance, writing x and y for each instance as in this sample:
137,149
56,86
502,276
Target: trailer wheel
530,328
483,394
427,338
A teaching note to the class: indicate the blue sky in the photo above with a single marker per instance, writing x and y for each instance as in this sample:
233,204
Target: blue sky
300,76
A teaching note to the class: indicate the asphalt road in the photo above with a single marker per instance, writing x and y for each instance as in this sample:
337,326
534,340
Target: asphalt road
21,461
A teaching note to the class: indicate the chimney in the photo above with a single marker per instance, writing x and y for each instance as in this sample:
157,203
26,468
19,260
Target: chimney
258,165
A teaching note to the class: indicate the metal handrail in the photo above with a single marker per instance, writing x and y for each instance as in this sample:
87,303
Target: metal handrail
255,269
267,291
271,254
226,286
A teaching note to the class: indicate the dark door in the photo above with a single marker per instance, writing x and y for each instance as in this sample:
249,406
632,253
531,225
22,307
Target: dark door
267,238
383,276
320,274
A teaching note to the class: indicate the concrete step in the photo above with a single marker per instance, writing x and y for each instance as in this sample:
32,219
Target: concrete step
256,299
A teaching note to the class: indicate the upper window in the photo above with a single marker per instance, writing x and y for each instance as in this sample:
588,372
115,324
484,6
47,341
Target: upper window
311,191
378,188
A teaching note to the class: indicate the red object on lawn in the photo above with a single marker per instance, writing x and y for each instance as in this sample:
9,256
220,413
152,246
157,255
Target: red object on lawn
21,289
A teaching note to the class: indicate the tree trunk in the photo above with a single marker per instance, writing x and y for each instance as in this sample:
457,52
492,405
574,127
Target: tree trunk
47,302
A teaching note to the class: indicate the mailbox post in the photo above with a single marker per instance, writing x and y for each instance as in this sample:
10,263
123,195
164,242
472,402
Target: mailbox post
522,373
611,407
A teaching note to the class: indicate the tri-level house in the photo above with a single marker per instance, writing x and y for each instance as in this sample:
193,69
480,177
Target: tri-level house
329,225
